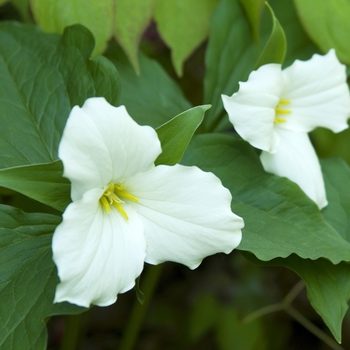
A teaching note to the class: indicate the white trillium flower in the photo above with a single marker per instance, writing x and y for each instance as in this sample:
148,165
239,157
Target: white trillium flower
275,109
126,211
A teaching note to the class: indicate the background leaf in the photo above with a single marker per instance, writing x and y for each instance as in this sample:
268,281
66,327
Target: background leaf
328,26
43,76
328,287
253,10
131,19
275,48
279,218
336,174
54,15
183,24
230,57
28,279
42,182
176,134
152,98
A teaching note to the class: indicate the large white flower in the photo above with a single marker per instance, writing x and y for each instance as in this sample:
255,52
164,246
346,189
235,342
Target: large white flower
275,109
125,211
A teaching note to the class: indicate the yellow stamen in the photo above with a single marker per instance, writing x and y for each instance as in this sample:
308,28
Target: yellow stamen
111,197
105,203
279,120
284,102
121,210
282,111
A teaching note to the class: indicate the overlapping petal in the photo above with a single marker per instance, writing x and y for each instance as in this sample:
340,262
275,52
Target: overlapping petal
186,214
296,159
98,254
102,144
318,94
252,109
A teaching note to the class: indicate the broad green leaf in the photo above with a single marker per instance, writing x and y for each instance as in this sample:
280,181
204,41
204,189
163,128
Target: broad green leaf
151,98
327,23
54,15
183,24
23,8
328,287
176,134
299,44
275,47
42,182
28,279
336,175
3,2
131,19
43,76
279,219
230,57
253,10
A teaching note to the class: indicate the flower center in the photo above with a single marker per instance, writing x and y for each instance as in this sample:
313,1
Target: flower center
111,197
281,110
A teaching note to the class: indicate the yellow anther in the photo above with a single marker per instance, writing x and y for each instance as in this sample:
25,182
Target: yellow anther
279,110
283,111
121,210
279,120
284,102
111,197
105,203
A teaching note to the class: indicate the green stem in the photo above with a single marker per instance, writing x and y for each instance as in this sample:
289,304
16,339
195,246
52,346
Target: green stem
293,293
138,311
71,332
262,312
312,328
276,307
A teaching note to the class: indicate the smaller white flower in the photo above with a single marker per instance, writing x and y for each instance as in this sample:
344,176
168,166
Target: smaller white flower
275,109
126,211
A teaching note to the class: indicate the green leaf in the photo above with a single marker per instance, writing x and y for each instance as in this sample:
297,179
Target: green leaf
183,24
176,134
253,10
23,8
336,174
3,2
328,287
275,47
327,23
131,20
230,57
279,218
43,76
299,44
42,182
28,279
151,98
54,15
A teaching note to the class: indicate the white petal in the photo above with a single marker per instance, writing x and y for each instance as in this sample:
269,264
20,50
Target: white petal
252,109
318,93
186,214
102,144
97,254
296,159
